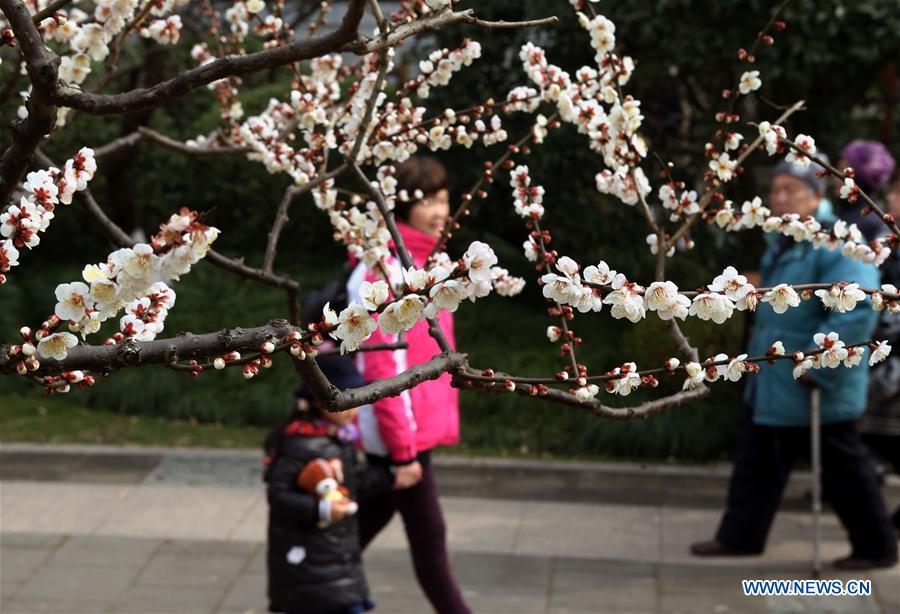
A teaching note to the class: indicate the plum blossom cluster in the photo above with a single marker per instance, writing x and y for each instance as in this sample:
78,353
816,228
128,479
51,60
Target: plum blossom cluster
729,292
86,37
719,367
591,101
834,353
360,228
839,236
134,279
421,294
21,225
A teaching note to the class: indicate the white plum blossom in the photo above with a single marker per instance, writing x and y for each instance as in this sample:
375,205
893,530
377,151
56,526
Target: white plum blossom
628,381
801,367
373,294
554,333
777,349
73,301
800,159
56,345
841,297
479,259
772,135
735,368
402,314
723,166
781,298
626,299
880,353
663,297
356,325
750,82
835,351
711,306
599,274
849,190
446,295
586,393
735,287
695,374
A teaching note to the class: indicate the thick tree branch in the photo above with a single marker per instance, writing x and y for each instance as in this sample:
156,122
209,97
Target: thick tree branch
42,66
335,400
130,353
161,93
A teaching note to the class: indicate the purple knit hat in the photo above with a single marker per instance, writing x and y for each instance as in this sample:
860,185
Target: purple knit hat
872,163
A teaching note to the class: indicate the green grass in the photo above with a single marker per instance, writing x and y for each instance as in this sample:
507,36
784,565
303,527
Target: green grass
53,420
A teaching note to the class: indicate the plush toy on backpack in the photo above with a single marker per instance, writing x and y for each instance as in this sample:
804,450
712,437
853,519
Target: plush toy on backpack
324,480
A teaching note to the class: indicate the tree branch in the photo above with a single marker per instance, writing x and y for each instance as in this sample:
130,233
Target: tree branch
161,93
130,353
333,399
42,65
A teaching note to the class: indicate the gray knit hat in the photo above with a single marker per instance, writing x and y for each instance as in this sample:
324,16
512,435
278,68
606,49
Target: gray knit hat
807,175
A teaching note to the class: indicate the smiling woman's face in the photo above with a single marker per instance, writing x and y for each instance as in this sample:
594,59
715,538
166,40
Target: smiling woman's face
430,214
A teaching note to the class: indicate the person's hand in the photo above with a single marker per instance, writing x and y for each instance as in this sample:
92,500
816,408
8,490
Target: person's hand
342,508
407,476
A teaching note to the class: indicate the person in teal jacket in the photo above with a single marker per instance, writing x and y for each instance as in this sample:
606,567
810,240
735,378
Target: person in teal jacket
775,430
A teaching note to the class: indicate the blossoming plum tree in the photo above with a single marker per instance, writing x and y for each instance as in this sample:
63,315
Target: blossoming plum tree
339,127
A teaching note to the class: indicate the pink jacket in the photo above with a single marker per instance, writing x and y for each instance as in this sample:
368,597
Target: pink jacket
425,416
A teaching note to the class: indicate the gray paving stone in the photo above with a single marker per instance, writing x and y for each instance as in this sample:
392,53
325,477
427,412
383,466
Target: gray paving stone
822,605
58,583
171,600
400,603
192,547
208,471
96,551
69,606
501,570
886,586
602,568
202,572
28,540
9,587
505,598
257,564
590,594
699,601
247,594
21,563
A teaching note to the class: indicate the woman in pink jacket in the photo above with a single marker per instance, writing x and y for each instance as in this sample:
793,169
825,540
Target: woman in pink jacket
402,430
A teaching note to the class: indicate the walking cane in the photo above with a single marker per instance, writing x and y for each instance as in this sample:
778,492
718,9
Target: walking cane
816,453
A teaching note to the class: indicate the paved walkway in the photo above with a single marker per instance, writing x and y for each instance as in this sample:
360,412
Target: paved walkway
123,530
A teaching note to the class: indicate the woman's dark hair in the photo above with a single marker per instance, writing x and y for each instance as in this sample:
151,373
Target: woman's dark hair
423,173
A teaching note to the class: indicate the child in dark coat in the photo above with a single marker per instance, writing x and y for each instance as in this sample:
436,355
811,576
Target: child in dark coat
313,554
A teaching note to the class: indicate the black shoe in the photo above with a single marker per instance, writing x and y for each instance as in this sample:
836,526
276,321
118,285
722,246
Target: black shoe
716,548
852,563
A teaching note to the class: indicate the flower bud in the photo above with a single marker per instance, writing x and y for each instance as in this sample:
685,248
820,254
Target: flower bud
671,364
219,363
267,348
510,385
25,332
